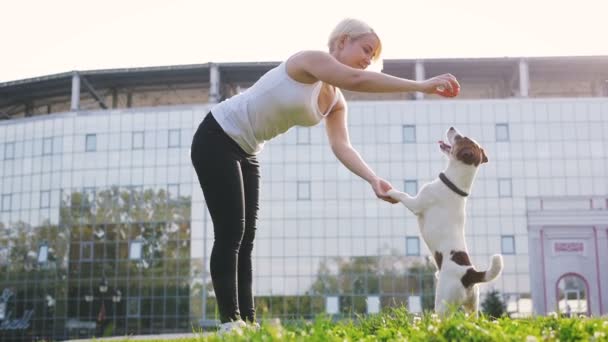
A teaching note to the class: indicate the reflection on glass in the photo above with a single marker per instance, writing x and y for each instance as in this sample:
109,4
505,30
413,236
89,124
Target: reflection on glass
45,199
43,254
91,143
572,295
6,202
135,250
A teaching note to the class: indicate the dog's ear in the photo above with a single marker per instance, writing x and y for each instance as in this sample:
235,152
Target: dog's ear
467,156
484,157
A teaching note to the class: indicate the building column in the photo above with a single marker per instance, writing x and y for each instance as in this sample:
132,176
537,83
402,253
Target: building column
214,83
419,77
75,104
524,78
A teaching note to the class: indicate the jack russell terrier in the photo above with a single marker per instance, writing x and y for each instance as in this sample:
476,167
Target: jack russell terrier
440,209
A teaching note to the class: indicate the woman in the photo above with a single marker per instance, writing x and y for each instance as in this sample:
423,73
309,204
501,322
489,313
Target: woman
300,91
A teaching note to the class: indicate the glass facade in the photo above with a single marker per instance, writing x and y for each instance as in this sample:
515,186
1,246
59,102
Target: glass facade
104,230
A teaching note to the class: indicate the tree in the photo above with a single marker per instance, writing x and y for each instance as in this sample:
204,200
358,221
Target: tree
393,278
493,306
90,240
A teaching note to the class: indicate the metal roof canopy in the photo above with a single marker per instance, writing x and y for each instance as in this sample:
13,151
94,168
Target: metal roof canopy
492,68
23,92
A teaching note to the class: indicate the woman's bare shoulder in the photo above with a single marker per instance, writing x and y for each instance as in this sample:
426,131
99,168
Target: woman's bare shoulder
297,65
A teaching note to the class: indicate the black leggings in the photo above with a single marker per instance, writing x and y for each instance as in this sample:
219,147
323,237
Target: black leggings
230,179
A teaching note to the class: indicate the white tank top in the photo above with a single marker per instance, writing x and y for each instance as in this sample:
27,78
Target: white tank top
270,107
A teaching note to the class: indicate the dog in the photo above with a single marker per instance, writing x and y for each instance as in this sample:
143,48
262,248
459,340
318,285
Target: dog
440,210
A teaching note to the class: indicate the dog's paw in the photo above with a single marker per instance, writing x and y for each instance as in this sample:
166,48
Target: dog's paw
396,194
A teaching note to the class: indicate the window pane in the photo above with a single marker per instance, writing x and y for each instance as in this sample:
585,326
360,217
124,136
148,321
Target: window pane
508,244
9,150
133,307
43,253
47,146
4,256
303,135
332,305
502,132
135,250
6,202
409,133
86,251
504,187
174,137
412,246
45,199
411,187
91,143
173,191
373,304
138,140
303,190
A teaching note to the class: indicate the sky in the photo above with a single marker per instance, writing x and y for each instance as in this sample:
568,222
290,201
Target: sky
45,37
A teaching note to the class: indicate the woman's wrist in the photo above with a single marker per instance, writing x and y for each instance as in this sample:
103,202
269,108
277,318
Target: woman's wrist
419,86
372,179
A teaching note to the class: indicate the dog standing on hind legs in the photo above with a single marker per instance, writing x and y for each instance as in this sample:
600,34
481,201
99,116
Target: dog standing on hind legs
440,209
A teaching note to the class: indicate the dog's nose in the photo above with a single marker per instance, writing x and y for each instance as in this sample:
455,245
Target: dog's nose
452,129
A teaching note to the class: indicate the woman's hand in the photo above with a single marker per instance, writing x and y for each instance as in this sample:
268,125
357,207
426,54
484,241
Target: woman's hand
445,85
380,187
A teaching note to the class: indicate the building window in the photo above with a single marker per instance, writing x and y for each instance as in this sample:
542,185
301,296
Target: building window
47,146
86,251
6,202
91,143
9,151
373,304
135,250
304,190
414,304
302,135
502,132
45,199
88,198
409,133
43,254
411,186
332,305
138,140
136,195
174,137
412,247
133,307
173,191
4,254
504,187
508,244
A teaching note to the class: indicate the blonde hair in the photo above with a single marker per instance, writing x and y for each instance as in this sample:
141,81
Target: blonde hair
353,28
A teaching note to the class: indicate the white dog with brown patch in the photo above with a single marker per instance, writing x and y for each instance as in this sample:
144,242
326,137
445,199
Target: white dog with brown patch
440,209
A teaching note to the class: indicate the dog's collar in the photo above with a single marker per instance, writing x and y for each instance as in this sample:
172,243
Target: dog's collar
451,185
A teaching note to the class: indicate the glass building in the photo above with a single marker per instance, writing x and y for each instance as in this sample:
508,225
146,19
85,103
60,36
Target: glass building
104,229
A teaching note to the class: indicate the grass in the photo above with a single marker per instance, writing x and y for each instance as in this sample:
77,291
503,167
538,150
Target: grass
399,325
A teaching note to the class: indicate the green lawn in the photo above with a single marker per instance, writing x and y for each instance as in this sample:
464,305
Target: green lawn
398,325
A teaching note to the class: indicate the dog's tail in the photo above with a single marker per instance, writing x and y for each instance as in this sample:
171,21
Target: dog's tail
496,266
472,277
